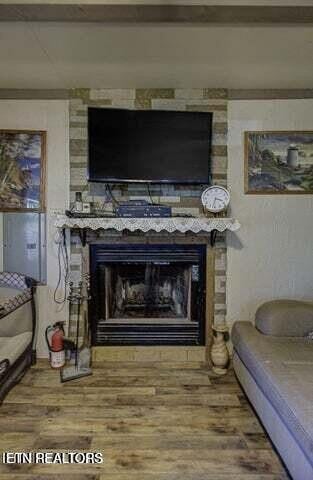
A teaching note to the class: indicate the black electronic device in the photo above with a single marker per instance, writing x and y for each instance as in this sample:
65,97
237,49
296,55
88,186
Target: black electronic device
73,214
149,146
142,209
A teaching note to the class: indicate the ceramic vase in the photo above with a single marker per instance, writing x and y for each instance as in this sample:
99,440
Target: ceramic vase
219,351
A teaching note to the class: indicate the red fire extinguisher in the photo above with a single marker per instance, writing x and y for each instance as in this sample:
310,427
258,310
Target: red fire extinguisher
55,342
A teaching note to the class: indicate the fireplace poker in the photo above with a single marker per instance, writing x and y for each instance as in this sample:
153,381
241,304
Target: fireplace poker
79,300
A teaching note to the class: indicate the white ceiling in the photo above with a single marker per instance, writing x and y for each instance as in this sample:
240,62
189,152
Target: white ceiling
52,55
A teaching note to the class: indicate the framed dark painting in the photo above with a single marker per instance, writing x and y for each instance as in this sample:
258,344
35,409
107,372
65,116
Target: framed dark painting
22,170
279,162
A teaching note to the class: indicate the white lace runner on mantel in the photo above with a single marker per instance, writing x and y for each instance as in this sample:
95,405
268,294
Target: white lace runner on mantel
170,224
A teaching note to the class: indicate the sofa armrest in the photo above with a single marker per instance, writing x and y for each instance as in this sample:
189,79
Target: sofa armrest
16,280
285,318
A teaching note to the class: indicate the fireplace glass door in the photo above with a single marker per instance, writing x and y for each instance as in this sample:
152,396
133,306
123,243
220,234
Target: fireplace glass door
147,294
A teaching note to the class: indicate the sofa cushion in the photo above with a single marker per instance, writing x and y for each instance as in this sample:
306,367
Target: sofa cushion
12,347
16,322
283,370
8,292
285,318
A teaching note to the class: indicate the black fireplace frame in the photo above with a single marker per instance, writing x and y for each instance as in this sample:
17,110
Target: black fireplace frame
140,334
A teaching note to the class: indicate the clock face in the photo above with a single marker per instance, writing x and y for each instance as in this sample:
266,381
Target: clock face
215,199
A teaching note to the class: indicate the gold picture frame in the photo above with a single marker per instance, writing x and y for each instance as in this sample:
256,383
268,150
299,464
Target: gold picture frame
22,170
278,162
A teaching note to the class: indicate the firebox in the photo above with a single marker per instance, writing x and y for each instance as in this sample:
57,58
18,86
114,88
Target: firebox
147,294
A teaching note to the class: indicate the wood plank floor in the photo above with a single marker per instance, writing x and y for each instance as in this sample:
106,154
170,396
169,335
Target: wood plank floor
151,421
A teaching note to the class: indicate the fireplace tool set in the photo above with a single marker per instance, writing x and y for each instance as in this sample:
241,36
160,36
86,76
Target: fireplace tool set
79,361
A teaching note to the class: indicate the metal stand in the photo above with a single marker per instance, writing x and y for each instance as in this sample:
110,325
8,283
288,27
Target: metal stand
83,236
81,366
213,235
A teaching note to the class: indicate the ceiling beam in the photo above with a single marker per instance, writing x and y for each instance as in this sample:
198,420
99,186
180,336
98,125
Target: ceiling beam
34,94
270,94
233,94
123,13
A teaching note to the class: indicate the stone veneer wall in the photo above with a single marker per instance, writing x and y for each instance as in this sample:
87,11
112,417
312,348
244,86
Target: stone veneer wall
183,199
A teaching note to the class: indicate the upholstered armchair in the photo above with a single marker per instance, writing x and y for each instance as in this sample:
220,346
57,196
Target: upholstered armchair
17,328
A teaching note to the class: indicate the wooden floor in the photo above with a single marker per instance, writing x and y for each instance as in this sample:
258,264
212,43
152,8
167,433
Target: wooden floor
150,421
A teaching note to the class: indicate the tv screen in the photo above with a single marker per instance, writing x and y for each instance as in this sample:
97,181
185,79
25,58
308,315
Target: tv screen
148,146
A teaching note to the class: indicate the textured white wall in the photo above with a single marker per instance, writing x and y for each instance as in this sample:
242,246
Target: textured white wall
51,116
272,255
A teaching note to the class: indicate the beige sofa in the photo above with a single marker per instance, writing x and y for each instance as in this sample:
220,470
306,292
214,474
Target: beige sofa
17,328
273,361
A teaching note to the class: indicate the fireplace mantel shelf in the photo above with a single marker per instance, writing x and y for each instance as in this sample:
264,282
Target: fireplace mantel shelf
196,225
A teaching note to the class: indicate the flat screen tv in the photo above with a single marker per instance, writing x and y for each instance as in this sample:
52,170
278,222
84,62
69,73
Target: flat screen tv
148,146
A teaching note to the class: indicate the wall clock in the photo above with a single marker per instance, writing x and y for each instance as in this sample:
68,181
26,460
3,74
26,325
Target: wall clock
215,199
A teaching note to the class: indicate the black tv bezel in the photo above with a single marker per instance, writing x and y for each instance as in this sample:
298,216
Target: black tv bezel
115,180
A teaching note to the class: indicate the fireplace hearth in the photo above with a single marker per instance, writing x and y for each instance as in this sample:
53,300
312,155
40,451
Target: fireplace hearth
147,294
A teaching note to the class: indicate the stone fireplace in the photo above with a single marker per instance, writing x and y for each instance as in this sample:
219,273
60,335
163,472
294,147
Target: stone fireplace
147,294
153,284
182,199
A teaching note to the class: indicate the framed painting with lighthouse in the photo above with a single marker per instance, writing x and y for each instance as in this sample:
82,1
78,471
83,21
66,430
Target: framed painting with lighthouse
22,170
278,162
